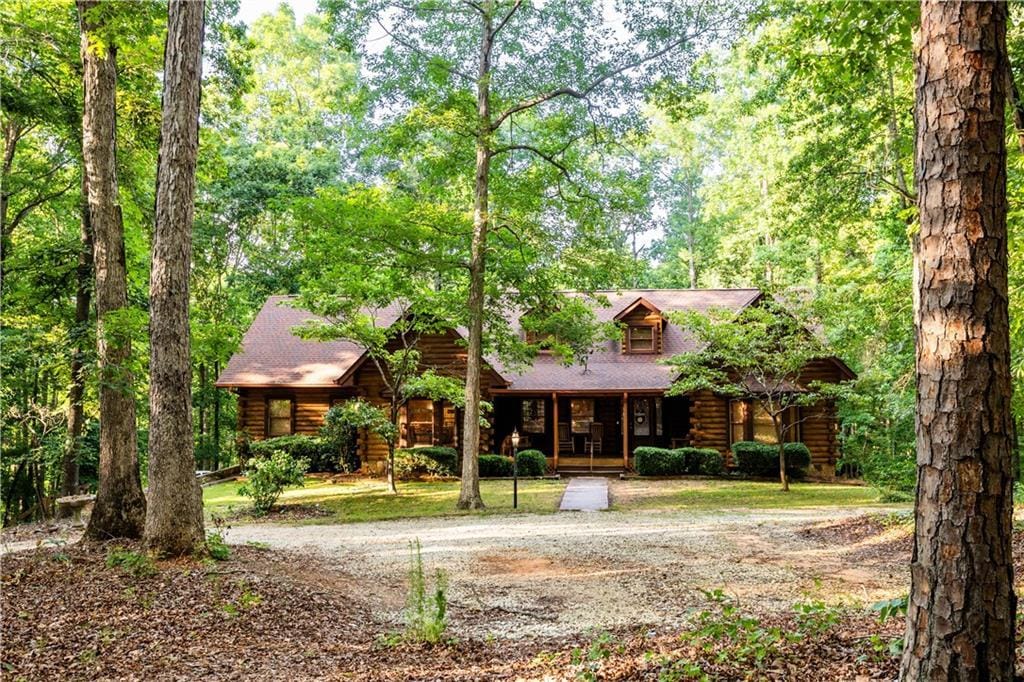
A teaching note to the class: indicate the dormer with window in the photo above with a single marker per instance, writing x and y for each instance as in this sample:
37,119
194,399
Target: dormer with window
642,326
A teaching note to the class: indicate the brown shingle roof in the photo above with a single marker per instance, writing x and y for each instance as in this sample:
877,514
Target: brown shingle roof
272,355
609,368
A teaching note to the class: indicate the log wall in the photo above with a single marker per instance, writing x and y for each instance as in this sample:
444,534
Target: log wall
440,352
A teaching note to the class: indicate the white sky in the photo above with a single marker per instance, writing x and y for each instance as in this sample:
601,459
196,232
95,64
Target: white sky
248,10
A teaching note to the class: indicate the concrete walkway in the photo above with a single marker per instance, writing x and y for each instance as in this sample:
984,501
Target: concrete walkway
585,494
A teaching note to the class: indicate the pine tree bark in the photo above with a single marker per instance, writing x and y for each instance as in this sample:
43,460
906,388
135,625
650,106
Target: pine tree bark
469,493
174,520
79,333
120,507
961,612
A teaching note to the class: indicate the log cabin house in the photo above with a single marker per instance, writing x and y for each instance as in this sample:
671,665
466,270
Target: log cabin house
583,420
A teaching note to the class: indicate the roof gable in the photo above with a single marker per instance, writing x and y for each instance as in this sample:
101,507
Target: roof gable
640,302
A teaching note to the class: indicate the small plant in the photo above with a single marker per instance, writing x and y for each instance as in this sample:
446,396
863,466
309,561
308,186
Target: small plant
426,615
814,618
216,548
588,662
269,476
246,600
136,564
737,638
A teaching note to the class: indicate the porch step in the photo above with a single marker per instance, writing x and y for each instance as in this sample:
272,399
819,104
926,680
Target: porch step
585,471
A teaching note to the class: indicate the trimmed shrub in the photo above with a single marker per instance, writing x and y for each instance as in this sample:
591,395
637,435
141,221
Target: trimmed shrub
762,459
321,454
269,476
701,461
447,458
494,466
532,463
424,462
651,461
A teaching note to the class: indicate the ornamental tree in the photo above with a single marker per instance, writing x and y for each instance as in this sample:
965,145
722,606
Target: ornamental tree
758,354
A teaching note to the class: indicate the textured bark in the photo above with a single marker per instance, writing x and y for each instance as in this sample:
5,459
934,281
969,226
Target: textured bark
174,520
120,505
79,333
469,494
960,621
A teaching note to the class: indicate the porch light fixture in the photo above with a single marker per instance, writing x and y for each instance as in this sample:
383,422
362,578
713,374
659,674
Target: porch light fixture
515,468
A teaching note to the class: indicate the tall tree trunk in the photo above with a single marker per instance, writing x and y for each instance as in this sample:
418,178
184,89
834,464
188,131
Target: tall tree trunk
960,620
469,494
79,334
120,507
174,521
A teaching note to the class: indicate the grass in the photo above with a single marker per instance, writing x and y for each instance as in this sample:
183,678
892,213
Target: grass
714,494
368,499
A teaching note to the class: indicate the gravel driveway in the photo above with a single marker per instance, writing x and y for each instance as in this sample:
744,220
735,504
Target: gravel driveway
572,572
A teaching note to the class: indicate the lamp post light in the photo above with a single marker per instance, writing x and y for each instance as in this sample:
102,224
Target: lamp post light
515,468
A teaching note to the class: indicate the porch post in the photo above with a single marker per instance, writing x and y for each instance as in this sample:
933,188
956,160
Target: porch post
625,430
554,424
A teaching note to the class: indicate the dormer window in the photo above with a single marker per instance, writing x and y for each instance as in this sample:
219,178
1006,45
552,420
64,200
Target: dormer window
640,339
642,324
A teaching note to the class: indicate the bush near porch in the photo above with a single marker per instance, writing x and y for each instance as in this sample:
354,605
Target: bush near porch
428,461
762,459
651,461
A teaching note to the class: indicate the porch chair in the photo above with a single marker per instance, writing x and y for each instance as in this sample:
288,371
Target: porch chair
565,439
595,439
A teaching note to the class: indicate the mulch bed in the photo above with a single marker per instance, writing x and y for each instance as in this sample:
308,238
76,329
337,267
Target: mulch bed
282,513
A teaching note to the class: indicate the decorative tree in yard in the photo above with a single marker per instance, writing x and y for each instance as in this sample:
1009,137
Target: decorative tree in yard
759,355
507,110
961,611
389,337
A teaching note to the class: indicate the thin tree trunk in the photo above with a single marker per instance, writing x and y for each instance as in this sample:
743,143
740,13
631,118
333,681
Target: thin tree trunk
120,505
783,478
469,494
79,334
216,417
174,521
961,611
202,414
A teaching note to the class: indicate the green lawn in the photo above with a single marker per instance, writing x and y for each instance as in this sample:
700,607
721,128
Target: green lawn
714,494
368,499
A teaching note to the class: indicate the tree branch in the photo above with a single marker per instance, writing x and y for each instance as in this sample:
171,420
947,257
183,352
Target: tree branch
584,92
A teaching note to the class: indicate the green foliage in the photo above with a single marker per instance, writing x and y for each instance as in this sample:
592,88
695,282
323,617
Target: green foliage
762,459
652,461
426,613
341,435
531,463
734,637
704,461
430,461
267,477
588,662
494,466
216,548
814,618
137,564
320,453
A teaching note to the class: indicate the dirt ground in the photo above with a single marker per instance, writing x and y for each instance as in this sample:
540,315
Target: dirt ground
570,573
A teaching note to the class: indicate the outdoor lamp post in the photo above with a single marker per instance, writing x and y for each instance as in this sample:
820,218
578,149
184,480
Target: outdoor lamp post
515,468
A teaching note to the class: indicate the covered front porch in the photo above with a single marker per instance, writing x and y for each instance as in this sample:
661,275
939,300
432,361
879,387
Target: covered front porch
584,431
